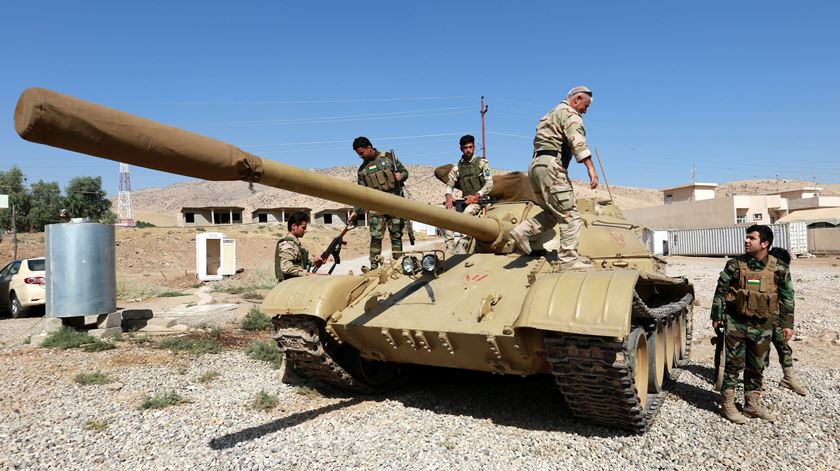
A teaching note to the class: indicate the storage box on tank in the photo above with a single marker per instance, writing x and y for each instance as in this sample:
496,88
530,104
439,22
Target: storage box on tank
215,256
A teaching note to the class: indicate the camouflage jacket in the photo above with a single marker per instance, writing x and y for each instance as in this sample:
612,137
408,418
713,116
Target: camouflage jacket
561,129
290,259
731,274
382,159
483,171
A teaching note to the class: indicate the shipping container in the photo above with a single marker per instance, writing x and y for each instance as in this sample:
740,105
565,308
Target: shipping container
723,241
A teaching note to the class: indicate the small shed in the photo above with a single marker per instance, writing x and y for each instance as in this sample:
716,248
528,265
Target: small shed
337,217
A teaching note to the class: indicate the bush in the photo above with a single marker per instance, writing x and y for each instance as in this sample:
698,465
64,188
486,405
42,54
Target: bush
98,346
208,376
142,224
86,379
264,401
96,425
68,337
192,345
265,350
255,320
161,400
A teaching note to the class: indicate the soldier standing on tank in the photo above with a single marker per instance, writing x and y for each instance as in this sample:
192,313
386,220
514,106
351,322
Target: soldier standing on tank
789,380
560,134
378,171
291,260
472,175
753,293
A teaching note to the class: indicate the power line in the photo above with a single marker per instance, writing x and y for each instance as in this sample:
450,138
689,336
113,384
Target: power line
296,102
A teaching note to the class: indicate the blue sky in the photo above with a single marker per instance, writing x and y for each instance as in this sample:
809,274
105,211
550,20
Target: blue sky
740,90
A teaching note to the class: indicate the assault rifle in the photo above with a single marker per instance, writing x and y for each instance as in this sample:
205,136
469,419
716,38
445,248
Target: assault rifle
460,204
334,250
720,354
401,191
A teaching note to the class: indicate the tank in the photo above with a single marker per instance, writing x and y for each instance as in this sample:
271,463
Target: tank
614,337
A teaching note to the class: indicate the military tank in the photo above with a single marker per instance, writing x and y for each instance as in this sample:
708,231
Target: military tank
614,337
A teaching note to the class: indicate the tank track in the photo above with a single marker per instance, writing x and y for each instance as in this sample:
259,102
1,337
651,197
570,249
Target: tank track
300,339
596,378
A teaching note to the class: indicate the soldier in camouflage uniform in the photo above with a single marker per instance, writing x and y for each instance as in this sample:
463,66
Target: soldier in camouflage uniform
560,134
377,171
291,260
789,380
472,175
754,291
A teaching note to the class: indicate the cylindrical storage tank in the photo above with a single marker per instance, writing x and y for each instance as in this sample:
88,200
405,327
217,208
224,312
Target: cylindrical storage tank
81,269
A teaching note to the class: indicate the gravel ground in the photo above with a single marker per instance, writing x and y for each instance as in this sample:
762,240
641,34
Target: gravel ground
445,420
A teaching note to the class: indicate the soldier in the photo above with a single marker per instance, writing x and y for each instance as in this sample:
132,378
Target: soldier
789,380
382,171
291,260
754,291
560,134
472,175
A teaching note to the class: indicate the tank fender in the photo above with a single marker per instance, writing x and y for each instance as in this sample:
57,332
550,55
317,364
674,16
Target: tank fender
594,302
320,296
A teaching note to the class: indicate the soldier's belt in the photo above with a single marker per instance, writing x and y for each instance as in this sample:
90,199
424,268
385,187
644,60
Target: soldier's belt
553,153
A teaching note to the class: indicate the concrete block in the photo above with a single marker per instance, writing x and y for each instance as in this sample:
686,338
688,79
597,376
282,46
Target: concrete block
106,321
136,314
52,324
37,340
105,333
161,323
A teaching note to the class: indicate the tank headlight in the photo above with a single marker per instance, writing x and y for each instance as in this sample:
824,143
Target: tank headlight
410,265
430,262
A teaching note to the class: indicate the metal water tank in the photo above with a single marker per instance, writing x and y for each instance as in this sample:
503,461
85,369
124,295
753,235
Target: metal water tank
81,269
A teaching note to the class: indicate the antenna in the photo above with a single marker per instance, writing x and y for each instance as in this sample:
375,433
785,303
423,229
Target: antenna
124,199
598,155
692,173
484,109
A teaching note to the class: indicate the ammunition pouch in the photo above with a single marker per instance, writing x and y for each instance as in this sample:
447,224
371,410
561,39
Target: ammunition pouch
756,294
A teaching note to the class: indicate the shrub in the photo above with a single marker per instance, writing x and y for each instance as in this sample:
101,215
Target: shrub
306,391
142,224
68,337
264,401
96,377
265,350
192,345
255,320
96,425
208,376
161,400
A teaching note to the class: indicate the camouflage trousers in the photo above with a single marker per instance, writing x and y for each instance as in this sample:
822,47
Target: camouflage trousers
747,348
556,197
782,347
378,224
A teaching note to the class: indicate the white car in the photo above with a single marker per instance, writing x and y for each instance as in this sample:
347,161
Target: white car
22,286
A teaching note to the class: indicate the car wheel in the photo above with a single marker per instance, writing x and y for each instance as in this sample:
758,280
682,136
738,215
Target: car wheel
16,309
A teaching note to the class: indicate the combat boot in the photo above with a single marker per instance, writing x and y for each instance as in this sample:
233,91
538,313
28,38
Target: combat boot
580,264
728,409
791,382
521,240
754,408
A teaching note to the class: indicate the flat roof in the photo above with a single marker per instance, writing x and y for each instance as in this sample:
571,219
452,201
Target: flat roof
282,208
692,185
206,208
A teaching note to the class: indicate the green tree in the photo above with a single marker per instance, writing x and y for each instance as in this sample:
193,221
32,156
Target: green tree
11,183
85,198
45,198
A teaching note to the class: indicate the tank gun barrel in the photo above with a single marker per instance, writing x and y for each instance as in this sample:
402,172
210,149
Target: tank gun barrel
58,120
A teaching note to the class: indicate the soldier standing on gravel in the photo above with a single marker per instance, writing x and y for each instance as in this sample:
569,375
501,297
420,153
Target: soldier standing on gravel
378,171
472,175
560,134
291,260
789,380
754,291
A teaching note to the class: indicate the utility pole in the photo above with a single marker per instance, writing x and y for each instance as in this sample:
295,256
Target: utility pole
124,198
14,233
692,173
483,136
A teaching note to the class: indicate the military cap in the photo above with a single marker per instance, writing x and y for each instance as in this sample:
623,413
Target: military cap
580,89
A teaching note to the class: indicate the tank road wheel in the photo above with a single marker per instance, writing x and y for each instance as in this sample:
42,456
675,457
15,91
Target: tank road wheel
679,325
378,375
638,348
668,326
656,356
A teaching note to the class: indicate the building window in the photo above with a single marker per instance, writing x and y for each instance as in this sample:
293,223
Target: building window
328,218
669,198
237,217
740,219
221,218
757,216
262,217
189,218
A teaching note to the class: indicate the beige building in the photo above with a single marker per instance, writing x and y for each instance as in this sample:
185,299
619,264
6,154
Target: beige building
337,217
690,192
275,215
714,212
210,216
